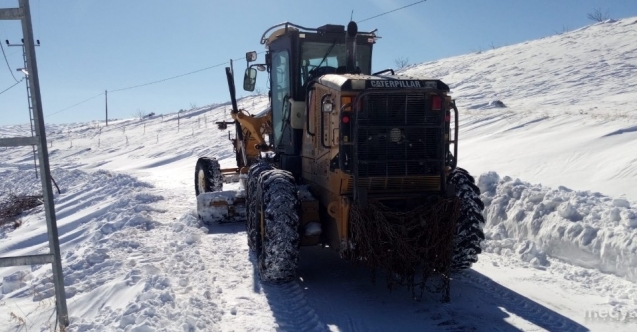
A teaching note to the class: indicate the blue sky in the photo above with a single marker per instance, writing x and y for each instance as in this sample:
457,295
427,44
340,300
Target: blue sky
88,46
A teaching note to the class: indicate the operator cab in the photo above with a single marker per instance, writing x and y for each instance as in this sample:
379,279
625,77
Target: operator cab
295,56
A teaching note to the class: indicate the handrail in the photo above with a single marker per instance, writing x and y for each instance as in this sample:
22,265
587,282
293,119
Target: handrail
288,24
323,121
455,136
307,111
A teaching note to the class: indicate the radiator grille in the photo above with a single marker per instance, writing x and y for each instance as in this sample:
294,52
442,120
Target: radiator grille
398,135
400,184
397,109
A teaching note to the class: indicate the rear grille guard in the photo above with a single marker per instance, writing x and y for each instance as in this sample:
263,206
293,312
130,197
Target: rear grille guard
396,134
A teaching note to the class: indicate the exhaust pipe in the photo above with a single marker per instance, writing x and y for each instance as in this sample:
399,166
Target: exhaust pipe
352,30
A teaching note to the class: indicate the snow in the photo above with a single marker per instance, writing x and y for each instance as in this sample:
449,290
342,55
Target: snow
548,127
570,117
583,228
216,206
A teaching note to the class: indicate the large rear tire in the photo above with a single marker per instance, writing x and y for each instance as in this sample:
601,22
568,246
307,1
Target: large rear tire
252,210
278,241
208,176
470,224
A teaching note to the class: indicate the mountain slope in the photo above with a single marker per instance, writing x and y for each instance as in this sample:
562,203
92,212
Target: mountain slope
570,118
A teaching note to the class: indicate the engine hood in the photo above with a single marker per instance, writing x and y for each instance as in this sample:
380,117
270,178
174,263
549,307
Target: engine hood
345,82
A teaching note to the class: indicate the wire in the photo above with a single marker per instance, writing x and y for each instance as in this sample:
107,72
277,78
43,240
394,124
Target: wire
7,62
169,78
391,11
82,102
16,83
144,84
177,76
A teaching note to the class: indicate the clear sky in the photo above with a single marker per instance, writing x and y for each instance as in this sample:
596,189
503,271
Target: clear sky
89,46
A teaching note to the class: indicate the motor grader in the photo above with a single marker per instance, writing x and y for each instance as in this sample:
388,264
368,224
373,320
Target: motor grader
363,163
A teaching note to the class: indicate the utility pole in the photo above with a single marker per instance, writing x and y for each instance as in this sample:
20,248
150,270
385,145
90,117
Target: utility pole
23,14
26,73
106,97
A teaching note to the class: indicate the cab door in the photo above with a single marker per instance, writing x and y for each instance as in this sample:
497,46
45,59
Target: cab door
280,85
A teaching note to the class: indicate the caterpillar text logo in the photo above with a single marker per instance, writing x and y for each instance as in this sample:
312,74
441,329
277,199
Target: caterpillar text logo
395,84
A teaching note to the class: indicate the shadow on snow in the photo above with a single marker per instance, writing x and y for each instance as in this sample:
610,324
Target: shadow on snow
333,294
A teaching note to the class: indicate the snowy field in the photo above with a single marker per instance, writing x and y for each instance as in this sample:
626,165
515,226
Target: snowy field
557,167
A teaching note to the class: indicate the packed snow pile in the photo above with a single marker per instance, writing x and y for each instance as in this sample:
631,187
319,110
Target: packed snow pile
583,228
98,217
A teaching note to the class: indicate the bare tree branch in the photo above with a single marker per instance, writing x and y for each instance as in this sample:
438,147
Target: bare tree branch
140,114
401,62
598,16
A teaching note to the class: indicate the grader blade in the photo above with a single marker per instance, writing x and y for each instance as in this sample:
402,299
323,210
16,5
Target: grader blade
221,206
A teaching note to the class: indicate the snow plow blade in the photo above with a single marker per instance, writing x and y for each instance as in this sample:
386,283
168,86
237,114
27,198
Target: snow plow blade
221,207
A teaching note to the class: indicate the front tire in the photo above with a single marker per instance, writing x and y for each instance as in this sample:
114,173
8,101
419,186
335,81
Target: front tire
470,224
278,239
208,176
252,210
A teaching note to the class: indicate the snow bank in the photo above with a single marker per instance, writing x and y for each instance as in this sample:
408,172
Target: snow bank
583,228
99,216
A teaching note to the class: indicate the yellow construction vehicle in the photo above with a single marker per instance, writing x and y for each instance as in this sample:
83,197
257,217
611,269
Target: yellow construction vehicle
363,163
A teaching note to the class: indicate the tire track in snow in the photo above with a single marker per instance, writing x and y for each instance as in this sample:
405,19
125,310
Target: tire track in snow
270,307
344,295
520,305
233,266
291,309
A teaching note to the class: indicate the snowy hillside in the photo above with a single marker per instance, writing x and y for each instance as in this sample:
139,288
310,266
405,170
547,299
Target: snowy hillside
570,118
557,167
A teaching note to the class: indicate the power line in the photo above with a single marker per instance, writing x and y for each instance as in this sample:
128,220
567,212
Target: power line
145,84
391,11
80,103
169,78
7,62
177,76
9,88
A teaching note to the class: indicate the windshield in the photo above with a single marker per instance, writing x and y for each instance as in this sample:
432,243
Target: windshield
312,53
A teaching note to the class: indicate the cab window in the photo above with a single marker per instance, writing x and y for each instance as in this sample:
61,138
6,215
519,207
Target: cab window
330,57
280,86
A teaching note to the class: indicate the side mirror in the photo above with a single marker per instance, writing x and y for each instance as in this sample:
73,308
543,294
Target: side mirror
251,56
249,79
260,67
